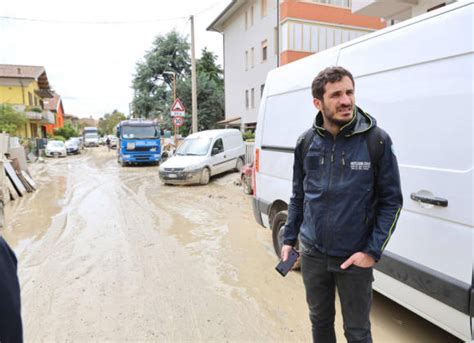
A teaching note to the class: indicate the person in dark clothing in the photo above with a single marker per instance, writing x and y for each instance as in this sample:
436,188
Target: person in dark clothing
108,142
10,309
344,207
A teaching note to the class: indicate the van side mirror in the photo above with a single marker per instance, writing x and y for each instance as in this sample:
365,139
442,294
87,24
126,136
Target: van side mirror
215,151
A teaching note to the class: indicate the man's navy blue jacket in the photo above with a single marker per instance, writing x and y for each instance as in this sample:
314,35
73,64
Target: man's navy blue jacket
339,205
10,310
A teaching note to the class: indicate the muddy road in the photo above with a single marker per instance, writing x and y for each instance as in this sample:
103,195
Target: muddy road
108,253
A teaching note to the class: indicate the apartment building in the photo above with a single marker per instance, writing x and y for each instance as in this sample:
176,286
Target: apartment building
310,26
260,35
26,88
249,30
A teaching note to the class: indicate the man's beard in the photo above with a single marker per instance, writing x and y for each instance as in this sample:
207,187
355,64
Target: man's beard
329,116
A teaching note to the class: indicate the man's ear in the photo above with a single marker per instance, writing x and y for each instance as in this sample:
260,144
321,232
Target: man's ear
317,103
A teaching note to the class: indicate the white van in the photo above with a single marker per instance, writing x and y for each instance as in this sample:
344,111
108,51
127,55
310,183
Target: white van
204,154
416,79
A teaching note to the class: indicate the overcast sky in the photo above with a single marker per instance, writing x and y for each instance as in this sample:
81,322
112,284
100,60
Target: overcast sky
91,65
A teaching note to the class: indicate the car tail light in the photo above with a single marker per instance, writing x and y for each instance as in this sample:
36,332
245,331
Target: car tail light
257,160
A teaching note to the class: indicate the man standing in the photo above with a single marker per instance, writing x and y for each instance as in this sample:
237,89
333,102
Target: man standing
345,204
10,312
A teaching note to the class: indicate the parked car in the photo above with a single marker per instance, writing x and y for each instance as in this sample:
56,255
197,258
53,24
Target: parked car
202,155
55,149
80,141
73,146
247,177
113,141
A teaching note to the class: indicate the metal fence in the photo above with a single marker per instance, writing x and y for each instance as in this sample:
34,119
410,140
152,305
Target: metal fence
249,152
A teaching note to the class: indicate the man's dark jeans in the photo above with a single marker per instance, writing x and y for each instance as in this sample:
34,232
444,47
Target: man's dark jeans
321,276
10,311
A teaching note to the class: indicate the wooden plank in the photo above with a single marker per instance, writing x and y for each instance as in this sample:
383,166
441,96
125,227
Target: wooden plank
14,178
12,190
25,183
29,179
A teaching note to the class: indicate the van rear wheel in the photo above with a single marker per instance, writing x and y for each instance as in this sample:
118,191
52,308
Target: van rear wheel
278,225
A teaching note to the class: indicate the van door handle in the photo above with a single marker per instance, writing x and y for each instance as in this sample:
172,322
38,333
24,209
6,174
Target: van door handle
432,200
225,156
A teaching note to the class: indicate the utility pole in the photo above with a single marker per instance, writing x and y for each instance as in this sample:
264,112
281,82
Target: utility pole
193,79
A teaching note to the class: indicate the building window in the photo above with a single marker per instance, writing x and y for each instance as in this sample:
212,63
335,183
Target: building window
262,87
264,50
246,20
251,16
263,8
340,3
30,99
246,60
252,55
247,99
252,98
36,101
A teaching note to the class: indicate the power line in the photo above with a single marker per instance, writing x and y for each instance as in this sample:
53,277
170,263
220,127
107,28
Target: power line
74,22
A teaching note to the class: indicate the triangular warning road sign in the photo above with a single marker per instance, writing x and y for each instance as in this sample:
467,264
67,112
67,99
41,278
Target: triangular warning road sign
177,106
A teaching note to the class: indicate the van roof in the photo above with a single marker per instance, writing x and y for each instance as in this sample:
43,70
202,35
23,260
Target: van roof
305,67
214,133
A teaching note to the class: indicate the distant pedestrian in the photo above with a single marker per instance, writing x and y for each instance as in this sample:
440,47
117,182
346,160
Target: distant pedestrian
107,141
344,207
10,308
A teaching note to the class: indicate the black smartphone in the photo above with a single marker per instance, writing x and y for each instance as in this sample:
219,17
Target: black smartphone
285,266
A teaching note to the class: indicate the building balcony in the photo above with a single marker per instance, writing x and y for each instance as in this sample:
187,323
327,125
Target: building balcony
34,115
48,117
382,8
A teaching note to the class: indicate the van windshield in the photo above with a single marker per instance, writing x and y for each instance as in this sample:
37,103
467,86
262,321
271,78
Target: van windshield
194,147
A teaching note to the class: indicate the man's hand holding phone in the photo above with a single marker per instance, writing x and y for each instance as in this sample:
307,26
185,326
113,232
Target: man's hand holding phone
285,251
288,258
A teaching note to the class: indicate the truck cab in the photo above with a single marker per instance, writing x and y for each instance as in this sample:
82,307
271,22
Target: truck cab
138,142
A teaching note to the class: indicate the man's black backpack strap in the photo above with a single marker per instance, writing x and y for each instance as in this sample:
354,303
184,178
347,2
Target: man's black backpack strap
308,138
376,140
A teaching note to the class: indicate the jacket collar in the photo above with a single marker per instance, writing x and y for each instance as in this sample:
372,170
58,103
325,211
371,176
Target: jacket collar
360,122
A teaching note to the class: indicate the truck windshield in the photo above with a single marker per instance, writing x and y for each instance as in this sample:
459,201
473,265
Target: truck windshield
140,132
194,146
92,135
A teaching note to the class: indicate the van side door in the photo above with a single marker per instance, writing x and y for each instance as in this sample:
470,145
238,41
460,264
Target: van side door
217,157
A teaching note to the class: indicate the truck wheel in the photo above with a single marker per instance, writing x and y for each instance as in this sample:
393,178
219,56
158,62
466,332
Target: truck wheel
239,164
205,176
278,224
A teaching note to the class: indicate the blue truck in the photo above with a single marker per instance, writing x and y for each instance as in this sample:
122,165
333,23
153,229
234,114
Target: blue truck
139,142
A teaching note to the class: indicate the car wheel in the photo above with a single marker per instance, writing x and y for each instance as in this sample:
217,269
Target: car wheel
205,176
246,184
239,164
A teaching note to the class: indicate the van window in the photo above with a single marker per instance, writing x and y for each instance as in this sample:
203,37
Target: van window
219,145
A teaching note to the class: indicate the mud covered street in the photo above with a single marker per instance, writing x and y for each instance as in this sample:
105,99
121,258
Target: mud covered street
108,253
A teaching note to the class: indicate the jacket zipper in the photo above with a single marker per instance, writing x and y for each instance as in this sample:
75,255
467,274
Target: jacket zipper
329,232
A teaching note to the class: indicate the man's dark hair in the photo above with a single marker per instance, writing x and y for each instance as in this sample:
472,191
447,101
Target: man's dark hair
328,75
